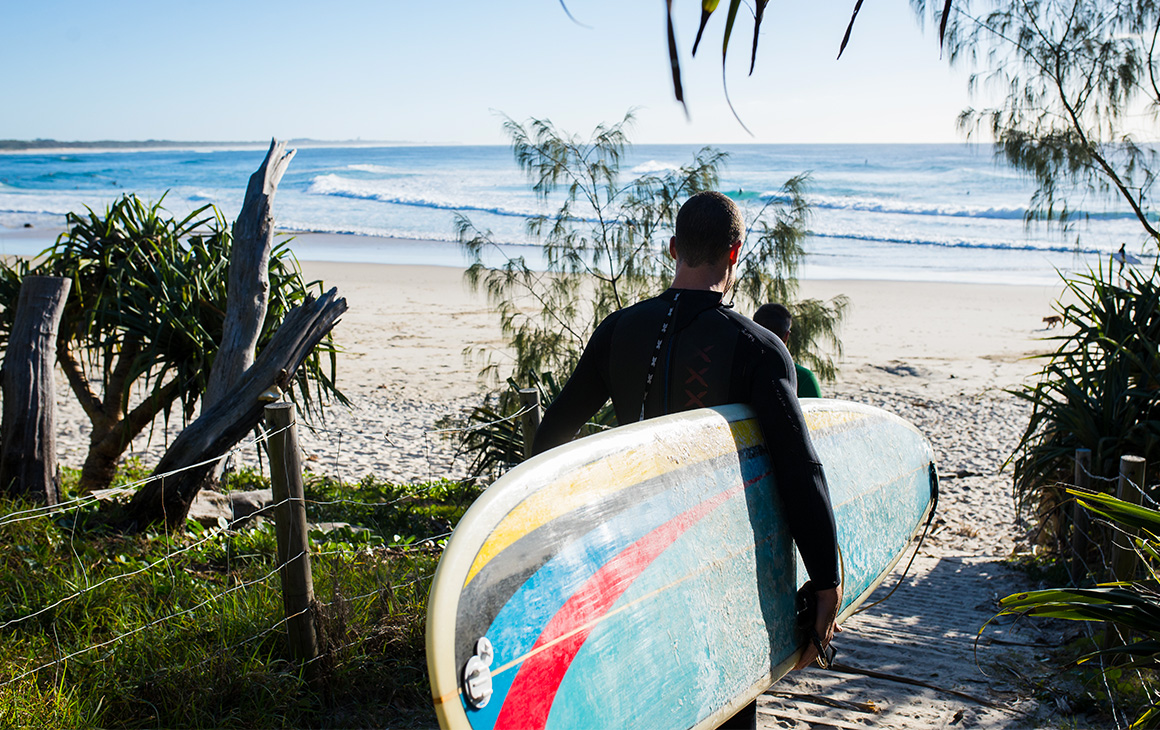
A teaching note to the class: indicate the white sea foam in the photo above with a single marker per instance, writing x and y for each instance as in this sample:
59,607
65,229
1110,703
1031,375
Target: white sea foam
859,204
380,169
57,204
401,193
652,167
879,205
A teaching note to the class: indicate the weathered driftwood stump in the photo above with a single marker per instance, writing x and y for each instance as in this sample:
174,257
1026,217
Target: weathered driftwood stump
28,441
183,469
231,406
248,292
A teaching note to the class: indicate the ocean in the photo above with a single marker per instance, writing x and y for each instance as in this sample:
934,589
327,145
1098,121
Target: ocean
891,212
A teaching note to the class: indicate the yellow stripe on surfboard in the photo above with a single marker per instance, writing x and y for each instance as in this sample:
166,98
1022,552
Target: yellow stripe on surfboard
600,479
824,420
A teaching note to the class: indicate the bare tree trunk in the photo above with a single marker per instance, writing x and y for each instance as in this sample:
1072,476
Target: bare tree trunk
28,444
182,470
112,428
111,437
100,465
249,276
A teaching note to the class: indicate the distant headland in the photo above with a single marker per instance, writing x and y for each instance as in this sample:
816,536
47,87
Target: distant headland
23,145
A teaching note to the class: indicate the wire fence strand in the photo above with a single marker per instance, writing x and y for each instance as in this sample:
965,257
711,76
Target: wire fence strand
129,488
214,534
139,629
224,531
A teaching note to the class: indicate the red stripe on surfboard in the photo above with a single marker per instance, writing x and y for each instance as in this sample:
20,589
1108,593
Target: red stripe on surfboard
533,690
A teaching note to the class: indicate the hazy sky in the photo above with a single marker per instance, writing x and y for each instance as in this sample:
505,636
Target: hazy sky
441,72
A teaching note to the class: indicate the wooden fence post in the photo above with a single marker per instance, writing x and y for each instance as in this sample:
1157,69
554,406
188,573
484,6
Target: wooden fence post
1129,489
1080,520
28,443
529,400
290,529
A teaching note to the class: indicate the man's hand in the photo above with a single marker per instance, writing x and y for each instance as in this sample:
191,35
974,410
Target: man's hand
826,624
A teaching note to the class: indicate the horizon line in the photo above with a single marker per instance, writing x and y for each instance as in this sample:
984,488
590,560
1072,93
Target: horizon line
42,144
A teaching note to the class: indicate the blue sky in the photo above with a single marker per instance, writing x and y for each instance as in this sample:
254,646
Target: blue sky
441,72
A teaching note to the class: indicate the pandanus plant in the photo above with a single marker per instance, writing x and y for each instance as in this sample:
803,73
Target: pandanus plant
1100,388
1132,606
144,318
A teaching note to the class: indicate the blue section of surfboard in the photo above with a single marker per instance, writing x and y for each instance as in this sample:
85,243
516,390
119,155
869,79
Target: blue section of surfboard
644,577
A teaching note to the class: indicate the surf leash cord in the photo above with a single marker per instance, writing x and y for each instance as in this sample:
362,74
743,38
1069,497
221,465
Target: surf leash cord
918,547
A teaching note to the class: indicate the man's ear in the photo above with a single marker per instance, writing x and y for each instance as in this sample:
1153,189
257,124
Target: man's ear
673,247
734,251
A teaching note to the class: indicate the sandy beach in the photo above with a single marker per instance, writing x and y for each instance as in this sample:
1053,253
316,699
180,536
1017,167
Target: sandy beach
410,332
937,354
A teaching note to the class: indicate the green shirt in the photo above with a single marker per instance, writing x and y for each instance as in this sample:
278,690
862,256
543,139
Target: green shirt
808,386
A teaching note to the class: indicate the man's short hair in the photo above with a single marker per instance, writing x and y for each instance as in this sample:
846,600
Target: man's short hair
707,225
775,318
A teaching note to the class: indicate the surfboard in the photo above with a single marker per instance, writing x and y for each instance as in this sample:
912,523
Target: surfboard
644,577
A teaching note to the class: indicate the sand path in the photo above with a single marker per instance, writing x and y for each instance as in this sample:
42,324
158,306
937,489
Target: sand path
926,631
912,662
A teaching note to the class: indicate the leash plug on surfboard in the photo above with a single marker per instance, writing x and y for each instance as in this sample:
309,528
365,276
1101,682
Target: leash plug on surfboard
477,674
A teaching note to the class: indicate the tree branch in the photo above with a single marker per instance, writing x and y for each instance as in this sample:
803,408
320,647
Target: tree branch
141,416
116,383
1107,168
77,381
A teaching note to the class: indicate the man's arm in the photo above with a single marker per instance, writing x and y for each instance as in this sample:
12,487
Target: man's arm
801,481
802,486
581,397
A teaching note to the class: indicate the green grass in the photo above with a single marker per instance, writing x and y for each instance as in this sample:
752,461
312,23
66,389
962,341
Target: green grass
183,630
1090,693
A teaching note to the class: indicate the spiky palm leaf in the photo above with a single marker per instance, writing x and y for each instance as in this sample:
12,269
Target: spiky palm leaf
1133,607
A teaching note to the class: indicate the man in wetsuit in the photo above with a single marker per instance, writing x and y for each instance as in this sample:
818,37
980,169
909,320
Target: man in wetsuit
777,319
685,349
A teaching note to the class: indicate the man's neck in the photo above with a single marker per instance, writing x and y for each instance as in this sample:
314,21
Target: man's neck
704,278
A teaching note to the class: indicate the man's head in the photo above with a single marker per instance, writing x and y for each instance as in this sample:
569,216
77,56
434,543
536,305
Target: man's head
708,226
775,318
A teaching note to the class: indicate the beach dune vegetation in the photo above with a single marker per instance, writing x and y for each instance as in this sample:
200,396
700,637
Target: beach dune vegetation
1099,390
144,317
1079,90
604,246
